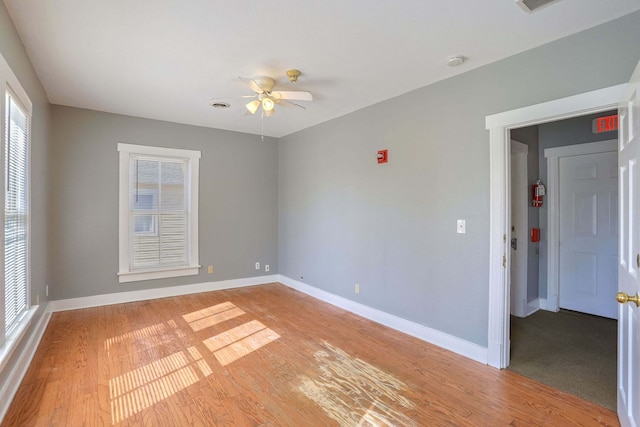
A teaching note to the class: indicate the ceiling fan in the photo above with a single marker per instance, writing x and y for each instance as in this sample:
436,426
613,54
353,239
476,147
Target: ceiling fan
267,98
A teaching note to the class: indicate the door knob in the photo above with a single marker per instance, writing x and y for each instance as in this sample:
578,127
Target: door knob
623,297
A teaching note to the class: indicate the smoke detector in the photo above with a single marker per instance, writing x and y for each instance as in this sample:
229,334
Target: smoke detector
454,61
533,5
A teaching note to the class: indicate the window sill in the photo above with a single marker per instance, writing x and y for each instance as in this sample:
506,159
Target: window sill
13,340
135,276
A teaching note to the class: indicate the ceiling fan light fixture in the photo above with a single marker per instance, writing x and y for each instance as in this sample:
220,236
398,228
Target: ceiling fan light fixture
269,113
268,104
253,106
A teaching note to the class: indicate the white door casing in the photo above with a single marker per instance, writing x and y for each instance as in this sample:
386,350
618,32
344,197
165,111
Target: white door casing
629,255
519,224
499,198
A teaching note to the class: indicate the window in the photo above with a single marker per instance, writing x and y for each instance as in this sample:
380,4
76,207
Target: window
16,208
15,109
158,212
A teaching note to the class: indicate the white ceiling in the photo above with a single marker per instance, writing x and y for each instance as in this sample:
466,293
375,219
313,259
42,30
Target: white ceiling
164,59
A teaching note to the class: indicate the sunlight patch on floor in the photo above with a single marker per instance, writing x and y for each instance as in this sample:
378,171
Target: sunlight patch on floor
345,383
212,316
151,334
139,389
237,342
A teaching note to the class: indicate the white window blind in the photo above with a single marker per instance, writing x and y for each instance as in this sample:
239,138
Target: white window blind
158,212
15,212
159,217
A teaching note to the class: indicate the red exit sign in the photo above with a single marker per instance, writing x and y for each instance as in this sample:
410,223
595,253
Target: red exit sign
605,124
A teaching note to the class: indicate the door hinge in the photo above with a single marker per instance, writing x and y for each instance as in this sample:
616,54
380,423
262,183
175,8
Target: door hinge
504,260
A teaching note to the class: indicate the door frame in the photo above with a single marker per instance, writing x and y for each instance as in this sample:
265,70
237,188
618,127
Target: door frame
553,156
519,157
499,126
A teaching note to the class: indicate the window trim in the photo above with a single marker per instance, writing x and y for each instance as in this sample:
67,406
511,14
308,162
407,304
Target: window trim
10,83
125,274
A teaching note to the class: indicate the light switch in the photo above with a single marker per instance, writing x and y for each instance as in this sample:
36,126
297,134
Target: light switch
462,225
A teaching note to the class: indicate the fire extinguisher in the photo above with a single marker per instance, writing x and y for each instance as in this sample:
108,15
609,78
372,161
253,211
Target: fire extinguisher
537,191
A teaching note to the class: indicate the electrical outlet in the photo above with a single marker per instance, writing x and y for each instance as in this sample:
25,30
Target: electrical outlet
210,269
357,288
266,268
257,266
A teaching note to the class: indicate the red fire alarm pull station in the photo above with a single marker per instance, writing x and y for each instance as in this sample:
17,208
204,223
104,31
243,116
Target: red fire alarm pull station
535,235
383,156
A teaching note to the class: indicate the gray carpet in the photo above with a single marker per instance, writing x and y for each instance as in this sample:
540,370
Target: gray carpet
570,351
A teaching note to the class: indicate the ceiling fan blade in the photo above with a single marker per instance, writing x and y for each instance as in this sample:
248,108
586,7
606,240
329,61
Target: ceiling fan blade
293,95
252,84
290,104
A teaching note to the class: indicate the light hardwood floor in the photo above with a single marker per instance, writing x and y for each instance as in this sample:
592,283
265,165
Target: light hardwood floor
266,356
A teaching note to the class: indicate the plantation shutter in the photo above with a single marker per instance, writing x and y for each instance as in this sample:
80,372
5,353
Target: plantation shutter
16,211
159,214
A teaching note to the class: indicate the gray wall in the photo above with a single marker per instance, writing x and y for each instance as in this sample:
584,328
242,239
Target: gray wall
238,200
392,228
557,134
529,136
14,53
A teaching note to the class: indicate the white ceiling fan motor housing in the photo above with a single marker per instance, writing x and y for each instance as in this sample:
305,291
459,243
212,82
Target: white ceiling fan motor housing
265,83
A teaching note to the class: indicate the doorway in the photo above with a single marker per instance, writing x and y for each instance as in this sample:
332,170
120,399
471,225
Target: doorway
499,258
568,350
578,167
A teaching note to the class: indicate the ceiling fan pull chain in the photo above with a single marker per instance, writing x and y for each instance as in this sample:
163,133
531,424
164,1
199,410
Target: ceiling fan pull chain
262,126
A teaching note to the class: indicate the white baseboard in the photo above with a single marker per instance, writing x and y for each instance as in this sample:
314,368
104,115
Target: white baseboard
441,339
532,307
543,303
22,362
148,294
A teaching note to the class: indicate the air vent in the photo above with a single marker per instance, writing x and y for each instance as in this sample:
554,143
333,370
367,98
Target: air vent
221,105
533,5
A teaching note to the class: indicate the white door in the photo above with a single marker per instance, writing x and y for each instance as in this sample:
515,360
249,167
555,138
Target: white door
588,197
519,224
628,277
